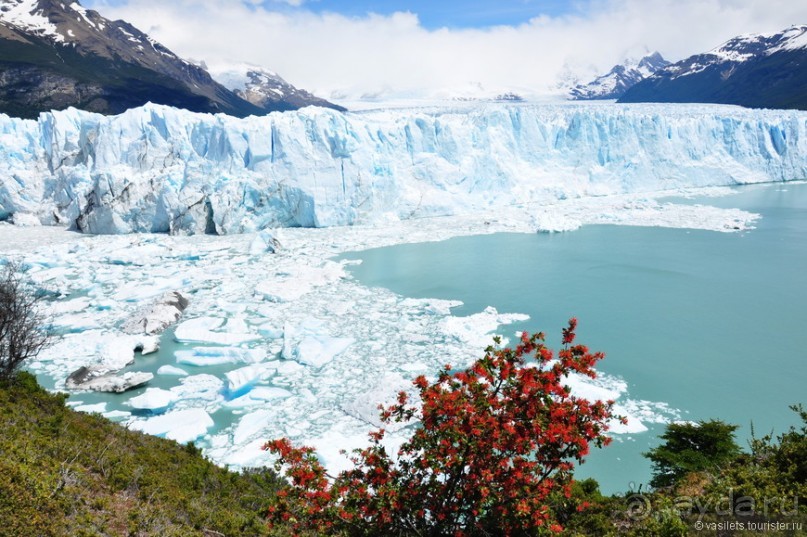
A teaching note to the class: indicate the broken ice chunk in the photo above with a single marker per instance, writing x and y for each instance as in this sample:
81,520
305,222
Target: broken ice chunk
200,330
207,356
154,400
180,425
240,381
172,371
309,343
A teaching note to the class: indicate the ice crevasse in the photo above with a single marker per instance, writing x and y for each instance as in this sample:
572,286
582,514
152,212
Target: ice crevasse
161,169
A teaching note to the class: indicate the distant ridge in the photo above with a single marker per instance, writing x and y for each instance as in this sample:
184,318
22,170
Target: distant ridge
266,89
620,79
56,54
757,71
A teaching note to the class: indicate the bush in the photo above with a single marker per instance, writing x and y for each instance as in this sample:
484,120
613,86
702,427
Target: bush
491,445
22,334
692,447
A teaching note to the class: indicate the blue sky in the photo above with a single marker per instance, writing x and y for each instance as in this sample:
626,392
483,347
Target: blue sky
433,14
443,13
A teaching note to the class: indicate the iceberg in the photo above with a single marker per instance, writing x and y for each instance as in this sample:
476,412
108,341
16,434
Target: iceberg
161,169
201,330
182,425
154,400
207,356
170,370
240,381
309,343
258,396
155,318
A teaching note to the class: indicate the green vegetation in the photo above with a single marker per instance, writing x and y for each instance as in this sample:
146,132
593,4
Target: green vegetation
63,473
692,447
707,484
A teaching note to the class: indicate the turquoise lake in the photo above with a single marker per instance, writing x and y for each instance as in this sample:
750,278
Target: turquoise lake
713,324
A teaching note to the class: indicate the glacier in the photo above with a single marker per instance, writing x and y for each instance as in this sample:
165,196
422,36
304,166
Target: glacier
161,169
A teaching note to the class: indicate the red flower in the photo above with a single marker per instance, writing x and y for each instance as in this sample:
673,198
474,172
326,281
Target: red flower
491,443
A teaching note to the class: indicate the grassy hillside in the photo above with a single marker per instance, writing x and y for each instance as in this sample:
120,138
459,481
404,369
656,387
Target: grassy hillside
67,473
64,473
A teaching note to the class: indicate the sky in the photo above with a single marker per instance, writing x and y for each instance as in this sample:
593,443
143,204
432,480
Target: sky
348,49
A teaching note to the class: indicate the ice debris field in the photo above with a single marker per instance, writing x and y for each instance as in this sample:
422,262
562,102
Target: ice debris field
274,338
270,345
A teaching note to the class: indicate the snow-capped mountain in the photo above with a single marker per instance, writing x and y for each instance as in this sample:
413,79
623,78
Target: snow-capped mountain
618,80
266,89
160,169
55,54
757,70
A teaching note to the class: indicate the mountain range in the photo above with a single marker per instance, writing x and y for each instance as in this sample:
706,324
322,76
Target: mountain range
266,89
618,80
57,54
757,71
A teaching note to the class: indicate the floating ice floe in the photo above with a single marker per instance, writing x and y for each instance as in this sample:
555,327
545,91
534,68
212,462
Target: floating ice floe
154,400
269,331
259,395
207,356
309,344
199,391
155,318
181,425
201,330
111,354
250,425
90,379
295,281
138,291
170,370
241,380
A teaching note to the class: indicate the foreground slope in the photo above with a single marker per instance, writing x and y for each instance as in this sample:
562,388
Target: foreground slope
68,473
757,71
159,169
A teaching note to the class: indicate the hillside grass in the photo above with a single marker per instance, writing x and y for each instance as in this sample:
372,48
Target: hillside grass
64,473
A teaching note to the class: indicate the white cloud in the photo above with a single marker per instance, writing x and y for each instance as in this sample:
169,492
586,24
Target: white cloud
331,53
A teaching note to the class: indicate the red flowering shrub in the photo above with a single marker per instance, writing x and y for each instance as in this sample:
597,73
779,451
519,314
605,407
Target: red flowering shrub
489,445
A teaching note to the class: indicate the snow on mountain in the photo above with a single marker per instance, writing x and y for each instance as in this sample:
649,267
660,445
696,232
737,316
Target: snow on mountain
55,54
26,15
160,169
756,70
742,49
266,89
618,80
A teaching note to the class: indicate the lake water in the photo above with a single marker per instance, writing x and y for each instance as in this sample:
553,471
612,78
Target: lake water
711,323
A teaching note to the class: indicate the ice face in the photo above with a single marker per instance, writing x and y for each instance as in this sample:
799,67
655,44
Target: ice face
159,169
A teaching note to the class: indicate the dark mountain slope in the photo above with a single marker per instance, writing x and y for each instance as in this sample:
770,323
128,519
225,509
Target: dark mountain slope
759,71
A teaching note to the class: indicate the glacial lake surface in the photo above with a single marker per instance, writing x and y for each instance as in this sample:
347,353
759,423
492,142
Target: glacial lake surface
712,324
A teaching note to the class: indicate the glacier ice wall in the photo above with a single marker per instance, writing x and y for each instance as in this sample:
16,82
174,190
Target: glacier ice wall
160,169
